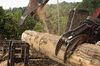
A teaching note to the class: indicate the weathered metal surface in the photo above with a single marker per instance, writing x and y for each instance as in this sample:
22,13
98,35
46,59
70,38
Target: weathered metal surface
74,18
73,44
88,31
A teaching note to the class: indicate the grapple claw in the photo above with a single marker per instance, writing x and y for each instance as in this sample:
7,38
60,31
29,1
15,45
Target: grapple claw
62,40
58,47
72,45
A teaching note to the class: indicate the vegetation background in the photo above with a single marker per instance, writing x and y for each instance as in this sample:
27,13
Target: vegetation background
9,20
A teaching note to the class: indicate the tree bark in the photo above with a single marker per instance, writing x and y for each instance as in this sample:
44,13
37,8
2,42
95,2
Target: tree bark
85,55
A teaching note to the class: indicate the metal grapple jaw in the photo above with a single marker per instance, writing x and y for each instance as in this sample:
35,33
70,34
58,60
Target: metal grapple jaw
71,44
68,36
72,39
62,40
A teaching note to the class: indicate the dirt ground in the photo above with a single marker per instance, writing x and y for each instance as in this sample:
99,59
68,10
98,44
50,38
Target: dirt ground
46,63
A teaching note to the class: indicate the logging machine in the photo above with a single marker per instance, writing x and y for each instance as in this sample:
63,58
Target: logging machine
87,31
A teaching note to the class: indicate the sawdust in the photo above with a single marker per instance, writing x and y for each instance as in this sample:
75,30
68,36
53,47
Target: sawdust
4,63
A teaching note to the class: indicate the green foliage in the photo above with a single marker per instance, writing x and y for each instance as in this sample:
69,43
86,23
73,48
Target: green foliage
7,25
64,9
9,20
38,27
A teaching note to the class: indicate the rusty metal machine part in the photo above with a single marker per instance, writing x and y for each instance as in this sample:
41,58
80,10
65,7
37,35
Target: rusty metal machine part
74,20
18,51
31,9
88,28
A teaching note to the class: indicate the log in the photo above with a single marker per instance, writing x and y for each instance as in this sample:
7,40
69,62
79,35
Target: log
85,55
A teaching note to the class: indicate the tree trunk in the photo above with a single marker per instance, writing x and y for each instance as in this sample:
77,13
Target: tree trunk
85,55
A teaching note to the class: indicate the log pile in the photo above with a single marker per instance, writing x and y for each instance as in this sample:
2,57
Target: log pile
85,55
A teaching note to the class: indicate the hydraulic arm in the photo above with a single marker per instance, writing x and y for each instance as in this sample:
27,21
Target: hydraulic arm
87,32
32,8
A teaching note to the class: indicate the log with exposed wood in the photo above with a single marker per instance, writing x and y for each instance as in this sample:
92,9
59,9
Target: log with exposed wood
85,55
